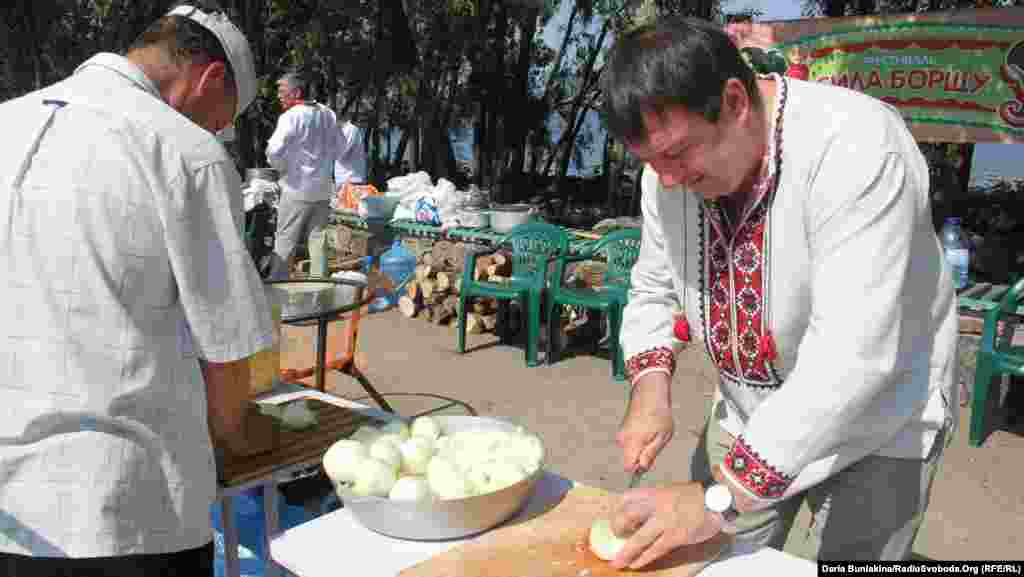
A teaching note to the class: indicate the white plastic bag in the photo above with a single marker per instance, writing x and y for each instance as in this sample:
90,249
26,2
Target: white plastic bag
446,199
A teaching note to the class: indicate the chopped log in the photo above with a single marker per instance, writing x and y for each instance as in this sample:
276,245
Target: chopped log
496,270
413,290
489,321
445,311
427,259
484,306
427,288
440,253
475,324
407,306
444,281
424,272
481,267
457,256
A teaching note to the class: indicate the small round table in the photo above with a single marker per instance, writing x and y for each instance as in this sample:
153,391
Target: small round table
322,308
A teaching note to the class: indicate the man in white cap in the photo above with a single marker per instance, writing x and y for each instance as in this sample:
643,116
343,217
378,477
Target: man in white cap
123,365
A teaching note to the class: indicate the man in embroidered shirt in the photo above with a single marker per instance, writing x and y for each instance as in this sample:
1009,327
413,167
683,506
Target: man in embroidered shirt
787,230
133,305
304,148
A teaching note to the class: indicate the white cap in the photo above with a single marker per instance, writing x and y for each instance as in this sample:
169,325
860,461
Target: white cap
235,46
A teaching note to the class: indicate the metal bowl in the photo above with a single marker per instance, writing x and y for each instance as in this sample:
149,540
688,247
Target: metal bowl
448,519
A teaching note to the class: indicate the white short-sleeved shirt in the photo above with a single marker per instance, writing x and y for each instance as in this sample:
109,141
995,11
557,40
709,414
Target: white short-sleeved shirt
122,262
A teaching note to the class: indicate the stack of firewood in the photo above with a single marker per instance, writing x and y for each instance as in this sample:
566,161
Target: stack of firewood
433,294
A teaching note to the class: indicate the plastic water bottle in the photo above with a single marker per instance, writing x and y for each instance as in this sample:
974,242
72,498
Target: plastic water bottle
954,246
398,264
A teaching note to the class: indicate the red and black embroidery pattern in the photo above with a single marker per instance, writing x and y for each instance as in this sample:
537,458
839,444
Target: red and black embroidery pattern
736,302
735,269
756,475
661,357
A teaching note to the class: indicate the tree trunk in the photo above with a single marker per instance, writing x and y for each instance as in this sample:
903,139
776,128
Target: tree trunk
608,170
567,144
527,28
496,150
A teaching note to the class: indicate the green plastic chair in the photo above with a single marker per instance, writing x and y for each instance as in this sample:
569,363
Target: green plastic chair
996,357
533,245
621,249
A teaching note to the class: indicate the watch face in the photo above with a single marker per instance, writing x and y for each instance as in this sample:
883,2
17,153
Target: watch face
718,498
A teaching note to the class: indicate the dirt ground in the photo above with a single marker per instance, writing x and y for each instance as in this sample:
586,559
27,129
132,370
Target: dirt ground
977,500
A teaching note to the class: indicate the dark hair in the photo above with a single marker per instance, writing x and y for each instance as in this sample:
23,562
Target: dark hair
185,40
671,62
296,79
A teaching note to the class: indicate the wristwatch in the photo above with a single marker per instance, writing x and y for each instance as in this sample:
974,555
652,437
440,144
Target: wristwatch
718,499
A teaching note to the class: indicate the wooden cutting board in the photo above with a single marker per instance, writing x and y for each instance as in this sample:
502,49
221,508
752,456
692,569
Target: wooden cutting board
555,544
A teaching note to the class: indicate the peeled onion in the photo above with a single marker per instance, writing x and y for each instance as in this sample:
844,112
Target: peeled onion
426,427
603,541
341,461
374,478
416,453
384,449
504,474
411,489
447,481
392,438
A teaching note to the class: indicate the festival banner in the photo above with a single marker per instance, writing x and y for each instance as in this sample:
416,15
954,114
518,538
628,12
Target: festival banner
955,76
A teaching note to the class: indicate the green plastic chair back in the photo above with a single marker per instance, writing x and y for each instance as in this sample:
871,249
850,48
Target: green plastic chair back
533,245
621,250
997,356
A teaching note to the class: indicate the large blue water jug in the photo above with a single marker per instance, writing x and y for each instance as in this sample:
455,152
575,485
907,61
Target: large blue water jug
398,263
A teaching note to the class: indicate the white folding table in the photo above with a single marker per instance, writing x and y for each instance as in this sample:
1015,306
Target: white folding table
315,548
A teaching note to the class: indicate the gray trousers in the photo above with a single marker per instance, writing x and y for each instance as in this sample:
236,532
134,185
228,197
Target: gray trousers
871,510
296,219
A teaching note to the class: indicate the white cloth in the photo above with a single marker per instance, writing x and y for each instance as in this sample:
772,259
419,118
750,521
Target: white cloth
123,262
850,283
304,147
350,165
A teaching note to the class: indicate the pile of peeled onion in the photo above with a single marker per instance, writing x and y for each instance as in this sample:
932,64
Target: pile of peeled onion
423,463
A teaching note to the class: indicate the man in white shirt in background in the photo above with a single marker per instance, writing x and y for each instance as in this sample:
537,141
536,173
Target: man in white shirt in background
126,274
304,148
350,168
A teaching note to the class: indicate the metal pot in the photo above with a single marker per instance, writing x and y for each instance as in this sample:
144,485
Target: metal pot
473,218
505,217
449,519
